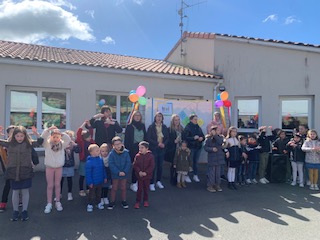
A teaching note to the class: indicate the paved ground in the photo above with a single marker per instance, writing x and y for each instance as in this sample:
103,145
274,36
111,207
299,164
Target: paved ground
274,211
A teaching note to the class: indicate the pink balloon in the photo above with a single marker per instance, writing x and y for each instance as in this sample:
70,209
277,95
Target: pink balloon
218,103
141,90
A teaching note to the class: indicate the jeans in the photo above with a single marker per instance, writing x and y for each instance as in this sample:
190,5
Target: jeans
195,155
158,155
253,166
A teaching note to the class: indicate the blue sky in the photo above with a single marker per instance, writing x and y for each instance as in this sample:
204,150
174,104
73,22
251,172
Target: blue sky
150,28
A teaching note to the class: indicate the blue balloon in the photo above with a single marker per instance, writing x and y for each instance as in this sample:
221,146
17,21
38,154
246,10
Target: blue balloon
218,97
132,91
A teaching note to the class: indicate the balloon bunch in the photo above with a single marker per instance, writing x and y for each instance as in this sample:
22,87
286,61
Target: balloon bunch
222,100
136,96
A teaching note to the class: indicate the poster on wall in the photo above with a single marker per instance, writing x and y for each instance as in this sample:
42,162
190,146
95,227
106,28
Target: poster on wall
184,108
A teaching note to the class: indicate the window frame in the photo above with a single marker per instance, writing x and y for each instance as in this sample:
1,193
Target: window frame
236,116
39,91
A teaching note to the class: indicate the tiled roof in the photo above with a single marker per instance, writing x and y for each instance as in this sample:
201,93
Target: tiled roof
205,35
40,53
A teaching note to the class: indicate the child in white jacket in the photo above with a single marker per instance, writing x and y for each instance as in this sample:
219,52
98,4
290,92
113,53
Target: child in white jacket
54,144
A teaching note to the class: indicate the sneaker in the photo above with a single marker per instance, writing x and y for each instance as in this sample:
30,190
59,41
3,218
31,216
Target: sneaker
159,185
124,205
262,181
152,187
82,193
254,181
70,198
308,183
183,184
316,187
137,205
15,216
89,208
179,185
211,189
218,188
146,204
134,187
24,215
59,206
111,206
100,206
293,183
266,180
311,187
187,179
106,201
248,181
48,208
195,178
301,185
3,207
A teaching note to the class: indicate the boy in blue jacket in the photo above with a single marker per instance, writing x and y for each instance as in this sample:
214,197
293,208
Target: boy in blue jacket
120,165
95,176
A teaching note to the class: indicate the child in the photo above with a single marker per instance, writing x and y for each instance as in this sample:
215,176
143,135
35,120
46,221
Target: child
297,157
216,159
312,148
95,176
143,166
119,164
19,169
104,151
54,145
242,171
253,152
84,139
182,163
68,168
234,150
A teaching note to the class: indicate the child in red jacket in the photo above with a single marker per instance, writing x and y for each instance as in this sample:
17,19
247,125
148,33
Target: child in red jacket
143,166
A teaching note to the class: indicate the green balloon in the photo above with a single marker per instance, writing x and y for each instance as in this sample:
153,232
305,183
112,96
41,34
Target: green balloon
142,101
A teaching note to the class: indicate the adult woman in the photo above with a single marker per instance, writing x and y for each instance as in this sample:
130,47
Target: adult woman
158,137
175,138
194,137
135,133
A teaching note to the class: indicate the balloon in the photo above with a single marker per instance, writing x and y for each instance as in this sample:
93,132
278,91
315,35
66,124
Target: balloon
227,103
141,90
224,95
218,103
218,97
101,102
132,91
142,101
133,97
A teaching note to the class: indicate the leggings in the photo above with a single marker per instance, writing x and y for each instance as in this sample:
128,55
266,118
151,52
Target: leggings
25,199
53,176
297,167
231,174
69,179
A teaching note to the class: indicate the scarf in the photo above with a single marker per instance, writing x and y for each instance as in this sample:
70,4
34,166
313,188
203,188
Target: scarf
138,125
56,147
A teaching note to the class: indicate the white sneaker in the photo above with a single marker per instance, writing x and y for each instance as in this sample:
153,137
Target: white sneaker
293,183
266,180
48,208
315,186
89,208
248,181
308,183
59,206
262,181
311,187
152,187
70,198
254,181
301,185
187,179
106,201
159,185
100,206
134,187
195,178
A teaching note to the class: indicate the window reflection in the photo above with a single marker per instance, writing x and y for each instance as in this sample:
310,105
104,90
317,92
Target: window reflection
248,113
294,112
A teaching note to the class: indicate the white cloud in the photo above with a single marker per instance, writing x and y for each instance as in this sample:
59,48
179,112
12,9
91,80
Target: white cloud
291,19
90,13
108,40
139,2
35,21
272,18
62,3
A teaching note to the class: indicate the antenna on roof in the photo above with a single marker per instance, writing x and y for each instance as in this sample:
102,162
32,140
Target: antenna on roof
184,6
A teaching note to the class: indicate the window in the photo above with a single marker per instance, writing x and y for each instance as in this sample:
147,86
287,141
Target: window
37,107
119,104
295,111
248,113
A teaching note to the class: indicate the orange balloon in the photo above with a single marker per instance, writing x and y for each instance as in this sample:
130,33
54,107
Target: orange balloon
224,95
133,97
